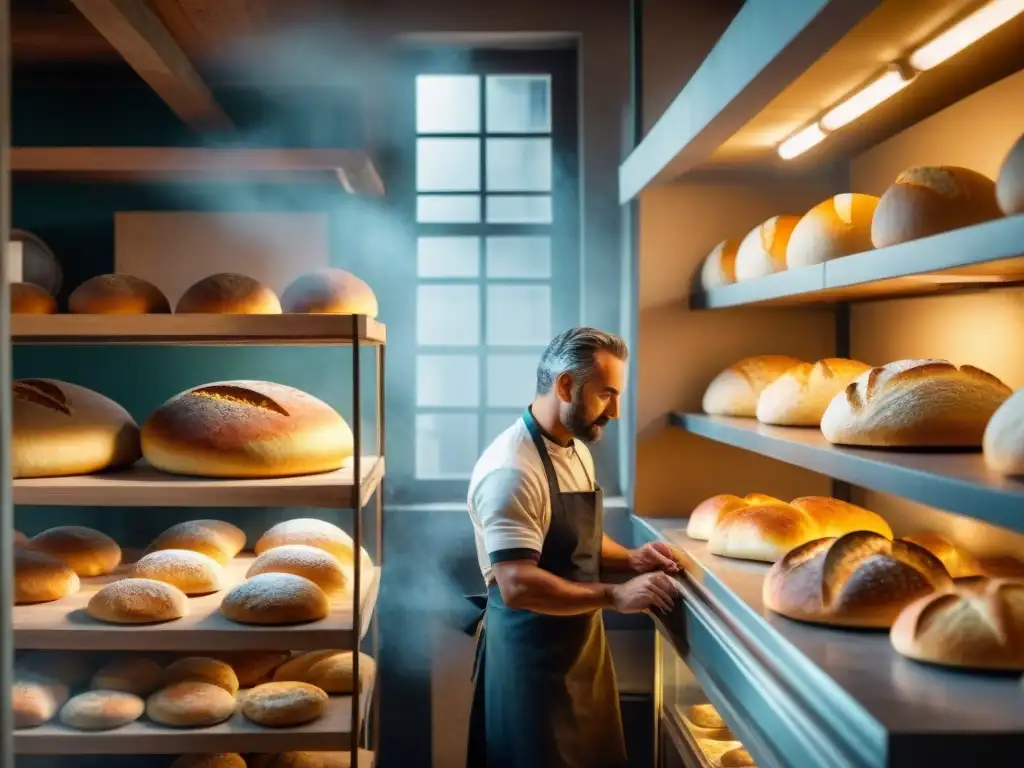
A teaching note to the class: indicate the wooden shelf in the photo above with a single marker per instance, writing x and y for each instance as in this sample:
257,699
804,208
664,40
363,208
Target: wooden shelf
144,486
64,625
353,169
197,330
983,256
959,482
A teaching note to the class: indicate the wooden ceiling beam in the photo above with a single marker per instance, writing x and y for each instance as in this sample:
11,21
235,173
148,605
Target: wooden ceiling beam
146,45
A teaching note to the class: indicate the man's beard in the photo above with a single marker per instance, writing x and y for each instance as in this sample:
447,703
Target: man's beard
580,427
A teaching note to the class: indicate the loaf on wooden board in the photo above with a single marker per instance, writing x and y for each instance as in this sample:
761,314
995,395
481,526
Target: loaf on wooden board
799,397
734,391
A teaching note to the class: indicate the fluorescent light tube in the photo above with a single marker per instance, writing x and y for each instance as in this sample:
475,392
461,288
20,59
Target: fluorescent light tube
800,142
864,100
962,34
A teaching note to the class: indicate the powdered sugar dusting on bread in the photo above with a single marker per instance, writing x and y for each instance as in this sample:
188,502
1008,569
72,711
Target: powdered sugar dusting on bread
272,597
140,600
183,568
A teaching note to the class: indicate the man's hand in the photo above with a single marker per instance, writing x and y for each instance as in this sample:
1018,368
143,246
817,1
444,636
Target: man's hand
653,556
641,593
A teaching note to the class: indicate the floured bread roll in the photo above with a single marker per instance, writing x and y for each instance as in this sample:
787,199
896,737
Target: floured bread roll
313,533
86,551
1003,441
101,710
275,598
313,563
211,760
297,667
329,291
117,295
229,293
799,397
40,578
190,704
284,704
140,675
138,601
915,403
36,699
763,250
330,670
30,299
958,561
861,579
202,669
216,539
719,266
1010,186
839,226
192,572
246,429
980,626
60,429
705,516
254,667
734,392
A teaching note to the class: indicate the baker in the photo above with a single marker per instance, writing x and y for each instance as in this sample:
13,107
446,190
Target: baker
544,687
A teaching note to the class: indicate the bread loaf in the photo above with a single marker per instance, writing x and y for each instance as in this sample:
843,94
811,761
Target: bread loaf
312,563
306,760
928,200
835,517
211,760
915,403
138,601
861,579
117,295
30,299
20,539
140,675
61,429
229,293
1003,567
714,750
254,667
216,539
313,533
245,429
704,722
275,598
705,516
735,391
297,667
36,699
1010,186
980,626
958,561
190,704
799,397
719,267
1003,441
763,250
839,226
738,758
205,670
40,578
333,672
86,551
282,705
101,710
192,572
329,292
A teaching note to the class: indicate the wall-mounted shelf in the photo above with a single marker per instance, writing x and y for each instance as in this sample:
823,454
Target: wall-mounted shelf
197,330
353,169
958,482
144,486
983,256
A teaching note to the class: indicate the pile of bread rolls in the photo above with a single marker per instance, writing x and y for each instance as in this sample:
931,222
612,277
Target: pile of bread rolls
714,738
325,291
227,429
923,201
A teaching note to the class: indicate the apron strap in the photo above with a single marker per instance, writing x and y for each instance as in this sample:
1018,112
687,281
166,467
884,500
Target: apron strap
549,469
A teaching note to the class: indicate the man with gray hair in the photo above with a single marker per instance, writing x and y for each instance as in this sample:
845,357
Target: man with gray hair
545,693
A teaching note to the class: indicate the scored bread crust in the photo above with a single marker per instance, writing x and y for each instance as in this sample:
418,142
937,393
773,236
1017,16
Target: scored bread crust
705,516
979,625
958,561
799,397
60,429
41,578
30,299
763,250
329,291
1010,185
1003,441
839,226
719,267
734,391
861,579
228,293
246,429
915,403
117,294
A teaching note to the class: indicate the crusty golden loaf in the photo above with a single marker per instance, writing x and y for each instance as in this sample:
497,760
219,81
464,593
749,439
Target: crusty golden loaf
41,578
958,561
190,704
839,226
254,667
86,551
1003,441
799,397
228,293
30,299
313,563
216,539
203,669
331,292
192,572
734,391
138,601
1010,186
246,429
313,533
763,250
117,295
275,598
705,516
915,403
284,704
837,518
719,267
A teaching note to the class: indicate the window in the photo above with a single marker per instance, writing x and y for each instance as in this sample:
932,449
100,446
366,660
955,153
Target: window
493,201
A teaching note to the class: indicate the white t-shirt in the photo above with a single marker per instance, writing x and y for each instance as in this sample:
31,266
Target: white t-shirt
509,502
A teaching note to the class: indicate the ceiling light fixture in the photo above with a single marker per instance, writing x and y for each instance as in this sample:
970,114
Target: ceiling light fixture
965,32
800,142
866,99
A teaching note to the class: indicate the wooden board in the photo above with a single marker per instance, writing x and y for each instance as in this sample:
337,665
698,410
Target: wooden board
147,487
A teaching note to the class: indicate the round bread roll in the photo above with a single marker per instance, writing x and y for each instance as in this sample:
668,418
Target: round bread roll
211,760
1010,186
737,758
980,627
30,299
915,403
714,749
140,675
839,226
1003,567
705,716
958,561
138,601
190,704
117,295
329,292
1003,441
205,670
734,391
763,250
335,674
275,598
254,667
282,705
313,563
36,699
62,429
246,429
216,539
719,267
86,551
799,397
705,516
192,572
298,667
928,200
40,578
313,533
101,710
229,293
861,579
20,539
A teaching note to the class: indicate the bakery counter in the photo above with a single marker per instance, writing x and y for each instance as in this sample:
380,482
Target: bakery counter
800,695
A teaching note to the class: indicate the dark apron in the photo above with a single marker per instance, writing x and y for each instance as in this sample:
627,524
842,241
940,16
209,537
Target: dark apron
544,686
